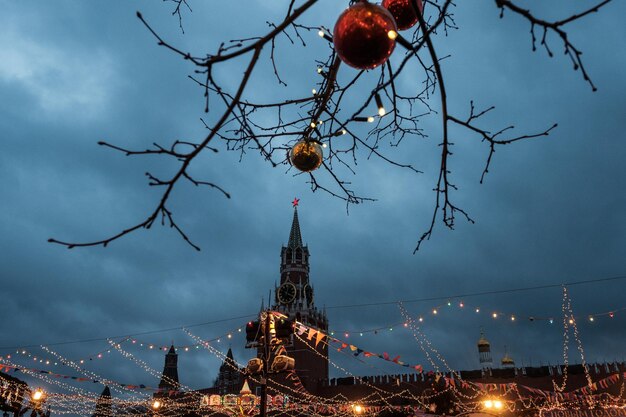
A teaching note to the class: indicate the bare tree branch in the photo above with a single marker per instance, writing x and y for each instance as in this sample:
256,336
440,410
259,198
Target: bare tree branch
270,128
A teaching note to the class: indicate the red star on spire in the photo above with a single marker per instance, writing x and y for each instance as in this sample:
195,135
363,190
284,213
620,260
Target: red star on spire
295,202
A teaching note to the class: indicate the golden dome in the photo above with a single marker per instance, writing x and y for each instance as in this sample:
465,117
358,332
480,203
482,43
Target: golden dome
482,342
507,360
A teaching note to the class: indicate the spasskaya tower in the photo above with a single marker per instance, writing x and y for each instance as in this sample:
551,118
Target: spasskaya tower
294,297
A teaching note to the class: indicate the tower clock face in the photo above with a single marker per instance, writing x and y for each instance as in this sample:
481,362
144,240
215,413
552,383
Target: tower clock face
286,293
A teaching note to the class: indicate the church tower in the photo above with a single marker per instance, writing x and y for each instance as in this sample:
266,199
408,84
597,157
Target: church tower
228,379
169,379
104,404
484,352
294,297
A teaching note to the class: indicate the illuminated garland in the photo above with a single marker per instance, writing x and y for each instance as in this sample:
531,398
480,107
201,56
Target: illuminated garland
116,387
467,394
13,368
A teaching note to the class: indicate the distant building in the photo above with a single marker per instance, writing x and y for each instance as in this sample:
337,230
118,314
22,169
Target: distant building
169,379
228,379
507,361
104,404
294,297
484,352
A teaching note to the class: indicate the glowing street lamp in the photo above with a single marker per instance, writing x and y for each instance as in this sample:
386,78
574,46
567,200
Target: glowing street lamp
38,395
358,408
156,404
493,404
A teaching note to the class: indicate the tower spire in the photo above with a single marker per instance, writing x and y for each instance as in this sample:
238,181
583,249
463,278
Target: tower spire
103,404
295,237
169,379
228,378
294,266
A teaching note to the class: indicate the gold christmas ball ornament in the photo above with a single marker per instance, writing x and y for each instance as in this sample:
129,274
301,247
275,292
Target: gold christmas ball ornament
306,155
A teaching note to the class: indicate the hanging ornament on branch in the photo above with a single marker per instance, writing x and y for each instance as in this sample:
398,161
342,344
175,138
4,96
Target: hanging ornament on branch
365,35
403,12
306,155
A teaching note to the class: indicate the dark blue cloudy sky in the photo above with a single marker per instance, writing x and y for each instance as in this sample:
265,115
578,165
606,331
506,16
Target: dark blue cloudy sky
551,210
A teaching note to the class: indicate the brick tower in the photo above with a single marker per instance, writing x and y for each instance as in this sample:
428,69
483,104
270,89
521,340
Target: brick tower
169,378
294,297
229,378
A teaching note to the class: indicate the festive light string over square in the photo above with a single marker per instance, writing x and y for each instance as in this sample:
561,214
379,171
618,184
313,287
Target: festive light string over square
84,402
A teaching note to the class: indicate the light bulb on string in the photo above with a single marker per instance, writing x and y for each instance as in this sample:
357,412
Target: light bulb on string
379,103
322,33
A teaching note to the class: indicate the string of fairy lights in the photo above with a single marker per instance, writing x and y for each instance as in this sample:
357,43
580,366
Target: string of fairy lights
446,301
569,322
365,399
423,318
77,400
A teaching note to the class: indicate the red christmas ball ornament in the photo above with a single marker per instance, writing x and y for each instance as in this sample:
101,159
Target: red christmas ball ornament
365,35
403,12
